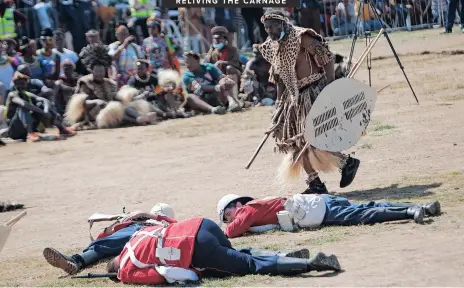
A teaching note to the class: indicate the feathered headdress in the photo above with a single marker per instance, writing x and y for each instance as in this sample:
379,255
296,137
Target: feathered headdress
97,55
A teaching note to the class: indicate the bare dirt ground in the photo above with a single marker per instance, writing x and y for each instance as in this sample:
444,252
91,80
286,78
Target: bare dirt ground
412,152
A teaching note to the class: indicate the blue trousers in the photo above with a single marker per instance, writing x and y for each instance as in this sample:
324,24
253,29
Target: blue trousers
109,246
214,253
340,211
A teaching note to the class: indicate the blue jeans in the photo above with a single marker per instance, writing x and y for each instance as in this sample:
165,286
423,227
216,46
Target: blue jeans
214,253
341,212
109,246
372,25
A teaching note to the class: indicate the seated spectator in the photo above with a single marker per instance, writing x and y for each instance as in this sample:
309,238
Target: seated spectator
6,72
225,56
25,112
159,48
65,54
65,86
95,105
50,60
211,89
29,58
34,86
260,68
368,20
124,53
92,37
344,20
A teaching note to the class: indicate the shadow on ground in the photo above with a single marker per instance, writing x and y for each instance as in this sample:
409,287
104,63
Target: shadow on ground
392,192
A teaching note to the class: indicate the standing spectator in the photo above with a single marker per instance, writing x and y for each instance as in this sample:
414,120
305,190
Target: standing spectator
225,17
141,10
252,16
44,13
310,15
440,12
10,19
65,54
30,28
191,28
124,53
208,23
344,20
453,5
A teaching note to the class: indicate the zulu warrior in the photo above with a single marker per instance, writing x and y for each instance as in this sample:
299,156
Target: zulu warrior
301,66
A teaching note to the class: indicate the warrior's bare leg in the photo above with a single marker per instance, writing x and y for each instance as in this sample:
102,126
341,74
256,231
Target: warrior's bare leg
133,116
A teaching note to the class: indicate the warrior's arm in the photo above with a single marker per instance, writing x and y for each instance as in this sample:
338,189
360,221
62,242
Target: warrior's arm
321,54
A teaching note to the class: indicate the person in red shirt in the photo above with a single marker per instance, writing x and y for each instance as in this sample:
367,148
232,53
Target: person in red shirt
109,242
243,213
197,247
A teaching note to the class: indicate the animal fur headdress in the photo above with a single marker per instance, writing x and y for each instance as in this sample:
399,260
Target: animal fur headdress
97,55
168,76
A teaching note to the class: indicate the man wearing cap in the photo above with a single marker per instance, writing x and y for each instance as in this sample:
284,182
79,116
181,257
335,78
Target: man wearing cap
159,48
110,241
193,248
124,53
26,111
302,65
225,56
312,210
207,83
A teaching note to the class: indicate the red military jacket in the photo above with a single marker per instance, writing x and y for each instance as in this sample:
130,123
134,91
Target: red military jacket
180,235
254,213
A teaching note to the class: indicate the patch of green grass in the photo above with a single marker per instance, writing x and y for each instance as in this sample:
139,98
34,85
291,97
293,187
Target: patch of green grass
382,127
453,97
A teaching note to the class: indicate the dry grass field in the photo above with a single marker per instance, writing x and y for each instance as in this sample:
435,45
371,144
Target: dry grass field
411,153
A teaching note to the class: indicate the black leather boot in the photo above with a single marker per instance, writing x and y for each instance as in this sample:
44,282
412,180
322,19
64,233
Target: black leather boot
292,266
58,260
302,253
322,262
316,186
349,171
432,209
416,213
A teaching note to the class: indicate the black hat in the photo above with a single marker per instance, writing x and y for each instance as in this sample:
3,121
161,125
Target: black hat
47,32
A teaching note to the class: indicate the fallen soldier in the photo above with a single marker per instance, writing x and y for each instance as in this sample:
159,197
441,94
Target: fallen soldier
95,105
109,242
313,210
25,112
197,247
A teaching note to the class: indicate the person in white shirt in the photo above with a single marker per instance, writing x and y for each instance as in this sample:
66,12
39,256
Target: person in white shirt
65,54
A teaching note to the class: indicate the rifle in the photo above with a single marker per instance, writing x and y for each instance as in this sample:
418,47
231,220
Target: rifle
94,275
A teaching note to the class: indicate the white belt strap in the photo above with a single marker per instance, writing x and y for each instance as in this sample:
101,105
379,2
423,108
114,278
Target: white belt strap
166,253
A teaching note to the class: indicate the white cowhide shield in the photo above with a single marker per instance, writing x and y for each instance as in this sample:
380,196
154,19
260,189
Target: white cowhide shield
339,115
4,233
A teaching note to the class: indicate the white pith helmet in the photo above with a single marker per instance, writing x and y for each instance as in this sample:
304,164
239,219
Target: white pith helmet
226,200
163,209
